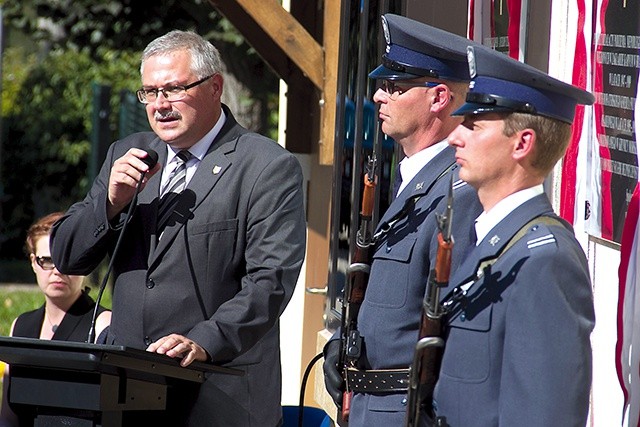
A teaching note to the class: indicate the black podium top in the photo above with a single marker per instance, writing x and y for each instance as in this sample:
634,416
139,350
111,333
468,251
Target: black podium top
110,359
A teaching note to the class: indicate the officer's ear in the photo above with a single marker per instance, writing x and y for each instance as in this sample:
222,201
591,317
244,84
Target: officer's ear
524,143
442,97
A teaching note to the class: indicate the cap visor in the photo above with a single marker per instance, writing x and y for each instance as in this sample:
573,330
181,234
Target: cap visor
384,73
474,108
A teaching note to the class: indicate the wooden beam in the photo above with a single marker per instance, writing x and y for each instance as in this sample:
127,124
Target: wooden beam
287,33
331,36
318,63
270,52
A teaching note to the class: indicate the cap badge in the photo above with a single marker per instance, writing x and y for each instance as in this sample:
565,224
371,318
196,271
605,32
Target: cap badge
472,62
385,30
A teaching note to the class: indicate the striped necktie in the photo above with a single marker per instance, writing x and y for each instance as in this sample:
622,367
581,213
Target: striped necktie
175,185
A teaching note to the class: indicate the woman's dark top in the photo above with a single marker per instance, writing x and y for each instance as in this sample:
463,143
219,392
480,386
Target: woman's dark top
74,326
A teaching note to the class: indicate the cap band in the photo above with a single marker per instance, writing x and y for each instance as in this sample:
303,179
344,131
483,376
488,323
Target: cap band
522,98
498,101
399,57
406,68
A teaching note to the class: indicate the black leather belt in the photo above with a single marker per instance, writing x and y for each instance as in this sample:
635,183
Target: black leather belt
377,381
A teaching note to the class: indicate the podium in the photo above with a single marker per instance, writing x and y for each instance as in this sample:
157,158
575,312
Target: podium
80,384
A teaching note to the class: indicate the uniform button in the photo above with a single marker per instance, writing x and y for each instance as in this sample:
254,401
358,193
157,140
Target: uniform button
404,401
150,284
388,249
147,341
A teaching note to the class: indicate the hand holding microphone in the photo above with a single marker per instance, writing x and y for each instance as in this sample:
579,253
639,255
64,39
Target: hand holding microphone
129,175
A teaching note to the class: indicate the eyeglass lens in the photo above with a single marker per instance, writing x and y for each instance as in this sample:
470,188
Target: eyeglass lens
45,262
171,93
392,87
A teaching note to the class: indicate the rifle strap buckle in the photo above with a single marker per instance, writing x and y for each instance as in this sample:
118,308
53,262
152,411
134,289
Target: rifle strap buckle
378,380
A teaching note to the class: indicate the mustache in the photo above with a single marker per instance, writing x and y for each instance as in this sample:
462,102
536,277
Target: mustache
158,115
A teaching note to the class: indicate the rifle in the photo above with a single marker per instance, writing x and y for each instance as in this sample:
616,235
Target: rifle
357,278
425,367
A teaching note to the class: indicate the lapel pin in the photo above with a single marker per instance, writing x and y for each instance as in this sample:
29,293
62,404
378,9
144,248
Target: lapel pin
419,185
494,240
216,169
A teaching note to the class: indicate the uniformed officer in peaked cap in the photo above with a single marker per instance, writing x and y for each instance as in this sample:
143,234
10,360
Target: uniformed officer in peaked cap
517,351
424,76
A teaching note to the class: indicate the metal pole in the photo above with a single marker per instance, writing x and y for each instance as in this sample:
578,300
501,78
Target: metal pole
360,93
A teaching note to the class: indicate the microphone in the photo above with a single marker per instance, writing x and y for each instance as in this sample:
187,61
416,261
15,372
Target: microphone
150,160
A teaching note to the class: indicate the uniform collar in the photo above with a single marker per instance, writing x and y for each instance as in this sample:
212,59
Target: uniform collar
487,220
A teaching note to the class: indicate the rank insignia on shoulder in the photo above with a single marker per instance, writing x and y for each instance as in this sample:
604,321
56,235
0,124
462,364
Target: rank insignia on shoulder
540,241
459,184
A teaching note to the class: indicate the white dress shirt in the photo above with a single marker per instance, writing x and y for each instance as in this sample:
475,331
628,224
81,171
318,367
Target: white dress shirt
410,166
197,150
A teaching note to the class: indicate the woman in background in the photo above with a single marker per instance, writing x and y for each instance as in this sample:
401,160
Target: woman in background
67,310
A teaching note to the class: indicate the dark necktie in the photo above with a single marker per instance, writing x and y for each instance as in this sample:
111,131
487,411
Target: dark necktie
397,182
472,243
174,186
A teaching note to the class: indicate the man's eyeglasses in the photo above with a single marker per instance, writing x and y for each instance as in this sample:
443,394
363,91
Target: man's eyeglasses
45,262
171,93
396,88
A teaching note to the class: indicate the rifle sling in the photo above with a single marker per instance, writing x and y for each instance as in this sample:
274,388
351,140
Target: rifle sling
406,208
547,220
456,293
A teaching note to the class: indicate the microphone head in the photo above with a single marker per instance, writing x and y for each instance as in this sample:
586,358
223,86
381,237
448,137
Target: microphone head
151,159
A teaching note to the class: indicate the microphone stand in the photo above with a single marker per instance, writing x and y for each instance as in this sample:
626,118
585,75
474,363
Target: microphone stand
152,157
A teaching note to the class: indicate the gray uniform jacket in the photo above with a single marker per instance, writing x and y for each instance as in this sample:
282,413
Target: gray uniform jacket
221,275
518,350
390,314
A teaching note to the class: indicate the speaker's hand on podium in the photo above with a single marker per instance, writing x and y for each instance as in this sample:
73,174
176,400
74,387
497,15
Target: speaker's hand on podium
175,345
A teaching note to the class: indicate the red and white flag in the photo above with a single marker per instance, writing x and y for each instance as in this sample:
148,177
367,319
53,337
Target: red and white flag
628,344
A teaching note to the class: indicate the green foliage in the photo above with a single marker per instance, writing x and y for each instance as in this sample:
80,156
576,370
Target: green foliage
16,67
17,300
115,24
48,131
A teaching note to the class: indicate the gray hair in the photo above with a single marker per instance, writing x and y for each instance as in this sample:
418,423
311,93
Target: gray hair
205,58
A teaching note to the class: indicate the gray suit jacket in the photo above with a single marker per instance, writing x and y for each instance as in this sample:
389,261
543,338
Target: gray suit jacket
222,273
518,351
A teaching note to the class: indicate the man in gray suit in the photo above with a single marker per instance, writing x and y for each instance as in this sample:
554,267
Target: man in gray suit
518,351
212,252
